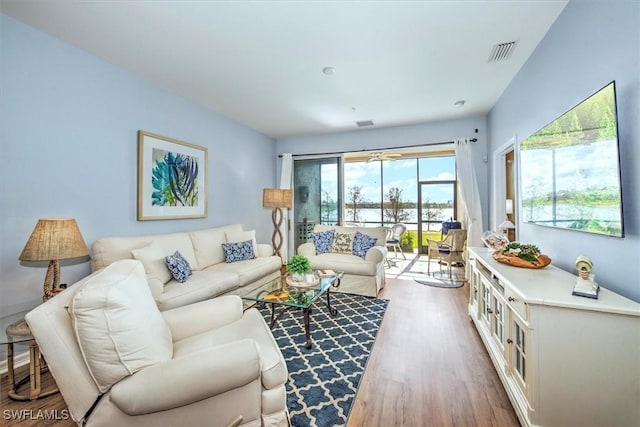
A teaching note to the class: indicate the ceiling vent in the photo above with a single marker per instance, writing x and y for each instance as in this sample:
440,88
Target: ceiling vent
502,51
364,123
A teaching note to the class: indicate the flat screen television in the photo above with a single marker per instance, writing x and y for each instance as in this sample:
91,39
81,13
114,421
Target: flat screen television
570,169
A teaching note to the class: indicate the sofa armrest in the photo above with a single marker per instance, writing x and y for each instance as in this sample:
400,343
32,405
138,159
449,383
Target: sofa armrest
264,249
376,254
188,379
202,316
307,249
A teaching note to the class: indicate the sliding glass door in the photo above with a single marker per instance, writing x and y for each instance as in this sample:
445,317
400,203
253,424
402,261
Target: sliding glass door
436,197
317,195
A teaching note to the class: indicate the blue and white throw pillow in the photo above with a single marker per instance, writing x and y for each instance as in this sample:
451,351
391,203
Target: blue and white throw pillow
362,243
178,266
322,241
238,251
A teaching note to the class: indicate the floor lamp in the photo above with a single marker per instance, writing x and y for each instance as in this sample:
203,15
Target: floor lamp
53,240
277,199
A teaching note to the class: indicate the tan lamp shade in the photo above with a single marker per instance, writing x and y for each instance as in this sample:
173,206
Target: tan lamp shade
276,198
53,240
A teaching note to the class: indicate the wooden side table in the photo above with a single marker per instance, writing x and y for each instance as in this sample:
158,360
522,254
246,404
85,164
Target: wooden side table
17,331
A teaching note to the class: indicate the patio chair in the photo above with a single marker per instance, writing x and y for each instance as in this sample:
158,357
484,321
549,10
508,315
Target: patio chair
449,251
393,239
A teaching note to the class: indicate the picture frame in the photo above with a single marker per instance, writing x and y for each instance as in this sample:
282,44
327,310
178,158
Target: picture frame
172,178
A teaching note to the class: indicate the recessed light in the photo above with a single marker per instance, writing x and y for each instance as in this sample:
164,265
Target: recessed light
459,104
328,70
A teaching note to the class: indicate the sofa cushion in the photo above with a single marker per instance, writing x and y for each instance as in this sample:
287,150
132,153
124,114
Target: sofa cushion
153,260
118,325
239,251
251,325
251,270
178,266
200,286
243,236
349,263
323,241
342,243
362,243
207,244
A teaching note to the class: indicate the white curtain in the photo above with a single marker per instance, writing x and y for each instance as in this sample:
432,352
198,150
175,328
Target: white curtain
285,184
472,212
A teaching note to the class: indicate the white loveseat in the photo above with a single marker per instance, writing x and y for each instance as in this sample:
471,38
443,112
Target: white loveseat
212,276
119,361
362,275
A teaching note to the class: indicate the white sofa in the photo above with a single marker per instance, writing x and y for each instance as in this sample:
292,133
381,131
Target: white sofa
119,361
362,276
202,249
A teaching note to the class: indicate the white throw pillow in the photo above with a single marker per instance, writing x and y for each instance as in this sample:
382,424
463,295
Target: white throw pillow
118,325
153,260
243,236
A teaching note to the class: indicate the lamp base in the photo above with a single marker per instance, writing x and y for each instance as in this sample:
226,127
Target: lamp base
51,286
276,238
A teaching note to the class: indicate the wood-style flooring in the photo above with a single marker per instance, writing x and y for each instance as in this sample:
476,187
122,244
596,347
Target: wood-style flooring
428,367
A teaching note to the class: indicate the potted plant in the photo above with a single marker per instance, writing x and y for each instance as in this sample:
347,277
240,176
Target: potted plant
298,266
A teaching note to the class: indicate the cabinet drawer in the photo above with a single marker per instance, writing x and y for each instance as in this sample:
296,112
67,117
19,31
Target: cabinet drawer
516,304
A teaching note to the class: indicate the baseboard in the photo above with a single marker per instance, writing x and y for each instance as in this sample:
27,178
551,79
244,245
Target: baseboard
18,360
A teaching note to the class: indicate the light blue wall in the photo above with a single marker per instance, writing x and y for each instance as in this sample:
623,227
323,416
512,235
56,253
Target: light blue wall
415,135
591,44
69,149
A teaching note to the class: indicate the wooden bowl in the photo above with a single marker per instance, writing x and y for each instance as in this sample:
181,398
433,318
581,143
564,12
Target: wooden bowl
542,261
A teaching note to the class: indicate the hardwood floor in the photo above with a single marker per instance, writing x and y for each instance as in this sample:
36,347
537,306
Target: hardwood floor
428,368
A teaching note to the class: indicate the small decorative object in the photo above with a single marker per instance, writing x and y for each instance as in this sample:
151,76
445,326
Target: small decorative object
172,178
298,266
586,285
522,255
494,240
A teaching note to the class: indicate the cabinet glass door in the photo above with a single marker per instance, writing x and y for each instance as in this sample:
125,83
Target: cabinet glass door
497,321
520,352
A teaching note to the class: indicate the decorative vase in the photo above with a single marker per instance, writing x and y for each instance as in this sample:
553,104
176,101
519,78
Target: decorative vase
299,277
309,277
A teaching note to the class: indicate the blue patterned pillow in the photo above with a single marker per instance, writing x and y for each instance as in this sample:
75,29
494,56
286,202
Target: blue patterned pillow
322,241
362,243
238,251
178,266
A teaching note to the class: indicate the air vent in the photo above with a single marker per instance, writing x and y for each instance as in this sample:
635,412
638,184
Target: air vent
364,123
502,51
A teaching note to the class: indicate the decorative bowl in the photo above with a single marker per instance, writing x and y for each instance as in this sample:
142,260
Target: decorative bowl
541,262
494,240
297,284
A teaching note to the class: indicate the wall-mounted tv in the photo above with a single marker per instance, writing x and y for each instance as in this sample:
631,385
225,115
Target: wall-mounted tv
570,169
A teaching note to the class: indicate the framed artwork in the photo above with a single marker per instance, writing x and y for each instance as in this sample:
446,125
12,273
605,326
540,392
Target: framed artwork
172,178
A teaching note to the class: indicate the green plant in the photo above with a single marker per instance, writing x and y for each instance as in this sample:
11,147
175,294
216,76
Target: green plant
299,264
407,242
527,252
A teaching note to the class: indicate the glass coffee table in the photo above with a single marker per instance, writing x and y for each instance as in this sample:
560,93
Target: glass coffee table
283,293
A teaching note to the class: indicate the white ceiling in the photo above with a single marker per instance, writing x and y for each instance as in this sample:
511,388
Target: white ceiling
260,62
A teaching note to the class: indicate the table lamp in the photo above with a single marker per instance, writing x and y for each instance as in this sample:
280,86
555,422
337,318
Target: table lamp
53,240
277,199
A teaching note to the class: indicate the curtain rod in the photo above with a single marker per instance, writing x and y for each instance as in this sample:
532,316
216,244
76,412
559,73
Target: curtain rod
381,149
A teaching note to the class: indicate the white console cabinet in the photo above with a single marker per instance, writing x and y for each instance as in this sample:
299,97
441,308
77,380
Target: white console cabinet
564,360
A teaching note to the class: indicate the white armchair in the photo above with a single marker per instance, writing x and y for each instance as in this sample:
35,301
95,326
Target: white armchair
118,360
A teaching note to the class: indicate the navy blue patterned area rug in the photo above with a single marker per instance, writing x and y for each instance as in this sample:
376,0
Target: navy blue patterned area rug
324,380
